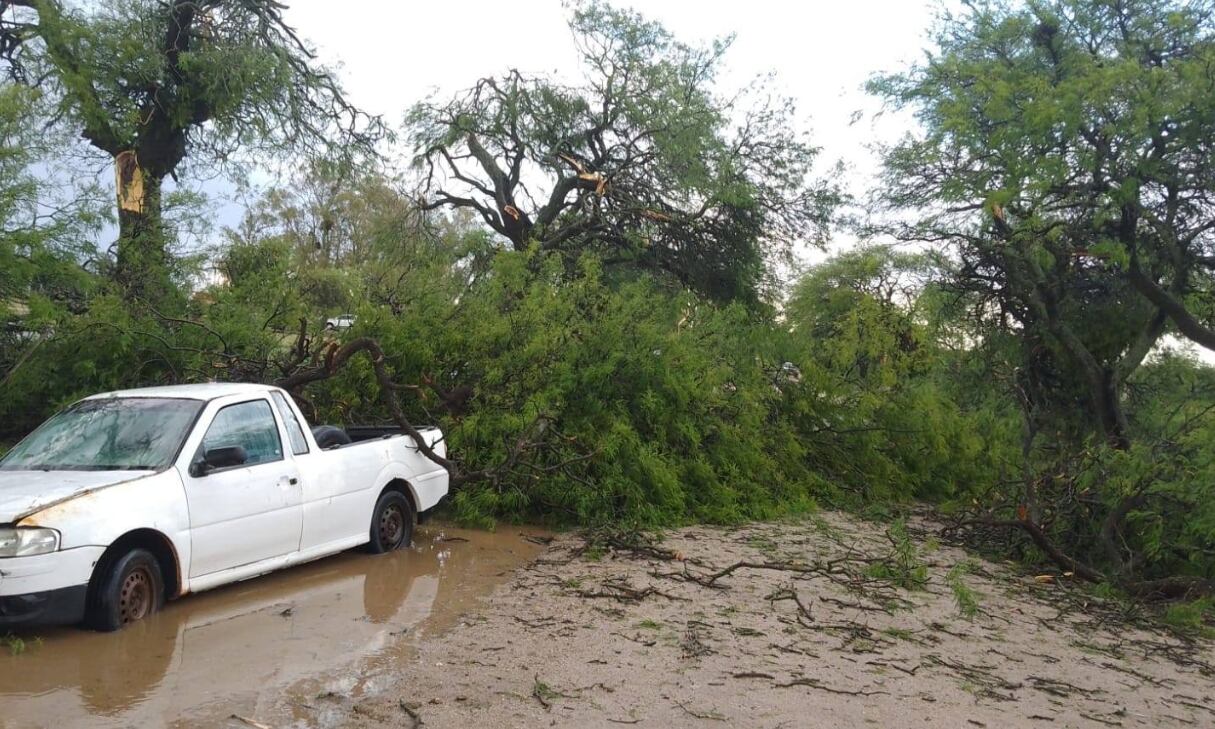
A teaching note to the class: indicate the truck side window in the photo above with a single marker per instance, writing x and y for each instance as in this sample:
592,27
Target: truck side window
295,433
249,425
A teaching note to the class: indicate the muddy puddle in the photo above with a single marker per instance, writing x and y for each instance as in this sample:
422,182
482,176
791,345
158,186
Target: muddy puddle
272,648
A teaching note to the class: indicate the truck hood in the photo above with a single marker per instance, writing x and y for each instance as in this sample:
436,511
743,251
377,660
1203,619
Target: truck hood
24,492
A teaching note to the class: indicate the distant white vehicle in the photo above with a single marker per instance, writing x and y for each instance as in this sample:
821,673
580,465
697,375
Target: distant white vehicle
17,332
344,321
129,498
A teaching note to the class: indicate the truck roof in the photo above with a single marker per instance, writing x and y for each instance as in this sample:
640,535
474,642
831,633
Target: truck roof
205,391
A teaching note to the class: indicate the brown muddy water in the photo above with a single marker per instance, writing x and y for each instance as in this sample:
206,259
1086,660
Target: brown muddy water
274,648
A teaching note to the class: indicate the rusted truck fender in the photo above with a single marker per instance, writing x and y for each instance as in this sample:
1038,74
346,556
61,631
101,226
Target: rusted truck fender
101,516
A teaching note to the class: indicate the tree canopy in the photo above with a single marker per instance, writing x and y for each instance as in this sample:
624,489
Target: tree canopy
1065,155
641,162
151,83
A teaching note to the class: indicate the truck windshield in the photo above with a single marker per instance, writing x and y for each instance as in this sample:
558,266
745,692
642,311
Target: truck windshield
113,434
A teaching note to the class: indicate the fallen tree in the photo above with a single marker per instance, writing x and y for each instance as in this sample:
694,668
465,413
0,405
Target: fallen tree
332,357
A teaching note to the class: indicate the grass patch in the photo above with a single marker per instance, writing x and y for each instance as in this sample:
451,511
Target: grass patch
1192,618
546,694
824,527
963,596
764,544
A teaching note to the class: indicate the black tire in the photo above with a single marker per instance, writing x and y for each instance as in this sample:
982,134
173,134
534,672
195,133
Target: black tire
327,436
128,590
392,523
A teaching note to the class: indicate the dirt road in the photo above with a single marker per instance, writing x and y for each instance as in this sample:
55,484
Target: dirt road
811,634
829,622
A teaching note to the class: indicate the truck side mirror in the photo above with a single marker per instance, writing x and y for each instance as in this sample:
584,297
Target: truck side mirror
223,457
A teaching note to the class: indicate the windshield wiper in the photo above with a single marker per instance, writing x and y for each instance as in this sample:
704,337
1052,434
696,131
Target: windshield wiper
115,467
78,467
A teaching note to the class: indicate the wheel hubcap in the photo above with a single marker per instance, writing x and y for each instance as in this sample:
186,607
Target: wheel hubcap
392,526
135,600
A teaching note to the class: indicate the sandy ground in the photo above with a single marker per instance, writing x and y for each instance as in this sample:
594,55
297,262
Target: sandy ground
649,639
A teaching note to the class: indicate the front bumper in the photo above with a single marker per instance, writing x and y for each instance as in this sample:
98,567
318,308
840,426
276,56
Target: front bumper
46,589
64,606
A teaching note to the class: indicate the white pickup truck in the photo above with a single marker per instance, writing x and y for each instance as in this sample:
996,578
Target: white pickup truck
128,499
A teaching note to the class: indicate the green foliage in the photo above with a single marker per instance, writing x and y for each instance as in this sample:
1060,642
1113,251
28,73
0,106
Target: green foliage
661,407
884,404
44,232
650,404
899,633
231,79
17,645
903,567
1055,182
38,250
1056,165
963,595
657,393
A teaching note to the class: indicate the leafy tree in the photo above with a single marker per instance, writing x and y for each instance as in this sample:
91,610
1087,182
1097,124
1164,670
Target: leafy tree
641,163
1064,168
150,84
335,214
1064,157
44,232
863,301
889,405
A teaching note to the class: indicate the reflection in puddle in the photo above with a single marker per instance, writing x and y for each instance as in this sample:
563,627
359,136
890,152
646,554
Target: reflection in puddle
255,647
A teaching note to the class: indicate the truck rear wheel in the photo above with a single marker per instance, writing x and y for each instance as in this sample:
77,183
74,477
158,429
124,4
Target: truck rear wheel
392,523
131,589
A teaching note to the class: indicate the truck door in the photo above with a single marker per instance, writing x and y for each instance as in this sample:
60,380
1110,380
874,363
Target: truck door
245,513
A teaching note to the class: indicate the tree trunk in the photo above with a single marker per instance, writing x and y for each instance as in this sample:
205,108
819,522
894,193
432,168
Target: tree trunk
1106,407
1029,479
1113,416
1105,401
143,261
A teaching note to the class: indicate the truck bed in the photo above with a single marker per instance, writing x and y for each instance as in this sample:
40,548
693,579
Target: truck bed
367,433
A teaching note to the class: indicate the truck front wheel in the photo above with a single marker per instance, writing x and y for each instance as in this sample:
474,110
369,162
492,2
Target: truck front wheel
391,523
130,590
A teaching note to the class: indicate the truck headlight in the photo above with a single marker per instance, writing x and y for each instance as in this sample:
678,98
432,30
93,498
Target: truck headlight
27,541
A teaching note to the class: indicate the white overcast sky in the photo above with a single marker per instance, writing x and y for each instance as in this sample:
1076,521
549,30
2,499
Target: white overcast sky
393,54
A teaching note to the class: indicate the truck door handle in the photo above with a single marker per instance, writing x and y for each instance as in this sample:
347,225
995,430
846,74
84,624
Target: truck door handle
293,481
